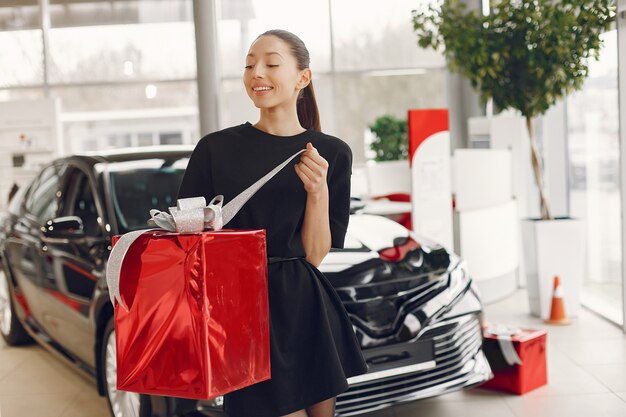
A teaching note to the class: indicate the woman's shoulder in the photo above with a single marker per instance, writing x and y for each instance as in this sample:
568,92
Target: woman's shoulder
224,133
330,143
220,136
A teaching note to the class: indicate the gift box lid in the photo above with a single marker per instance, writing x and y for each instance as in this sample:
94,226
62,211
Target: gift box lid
517,334
166,233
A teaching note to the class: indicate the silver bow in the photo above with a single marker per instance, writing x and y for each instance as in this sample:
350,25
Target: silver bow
504,334
191,215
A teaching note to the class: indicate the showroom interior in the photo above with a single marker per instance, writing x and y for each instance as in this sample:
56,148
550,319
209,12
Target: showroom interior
100,77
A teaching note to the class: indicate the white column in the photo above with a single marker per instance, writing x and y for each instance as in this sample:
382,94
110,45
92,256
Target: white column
205,16
621,44
44,14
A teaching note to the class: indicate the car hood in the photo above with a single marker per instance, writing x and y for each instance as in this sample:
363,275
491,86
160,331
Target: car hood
380,294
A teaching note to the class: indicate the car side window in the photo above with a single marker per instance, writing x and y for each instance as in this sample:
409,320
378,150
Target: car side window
83,203
43,197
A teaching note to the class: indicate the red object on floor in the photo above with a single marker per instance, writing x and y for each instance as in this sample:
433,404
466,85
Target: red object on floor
198,319
530,346
405,218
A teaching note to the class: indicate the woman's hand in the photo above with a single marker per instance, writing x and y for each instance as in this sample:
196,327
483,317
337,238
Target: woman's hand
312,170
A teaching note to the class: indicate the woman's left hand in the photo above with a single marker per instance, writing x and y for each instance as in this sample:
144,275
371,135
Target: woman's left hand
312,170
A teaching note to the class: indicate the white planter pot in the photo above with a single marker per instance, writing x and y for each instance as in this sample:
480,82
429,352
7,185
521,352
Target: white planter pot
551,248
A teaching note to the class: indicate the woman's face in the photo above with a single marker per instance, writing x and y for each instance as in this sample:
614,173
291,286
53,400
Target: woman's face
271,74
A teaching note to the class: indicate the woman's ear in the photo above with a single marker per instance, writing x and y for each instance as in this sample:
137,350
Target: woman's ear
305,78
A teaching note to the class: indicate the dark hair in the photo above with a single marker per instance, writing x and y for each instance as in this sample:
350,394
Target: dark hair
308,114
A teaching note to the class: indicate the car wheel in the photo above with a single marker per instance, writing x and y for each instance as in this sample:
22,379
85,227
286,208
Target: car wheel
11,329
121,403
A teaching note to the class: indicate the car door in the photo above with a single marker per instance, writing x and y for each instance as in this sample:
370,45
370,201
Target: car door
25,250
77,264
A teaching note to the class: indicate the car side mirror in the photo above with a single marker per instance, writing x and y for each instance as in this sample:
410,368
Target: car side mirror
68,227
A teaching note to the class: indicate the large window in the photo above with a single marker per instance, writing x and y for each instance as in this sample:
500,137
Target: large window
116,66
243,20
369,35
106,60
364,57
594,152
22,62
131,52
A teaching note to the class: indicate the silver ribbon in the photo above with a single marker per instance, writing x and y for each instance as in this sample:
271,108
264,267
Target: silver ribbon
504,334
191,215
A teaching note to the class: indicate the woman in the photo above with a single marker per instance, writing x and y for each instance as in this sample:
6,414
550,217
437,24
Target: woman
305,211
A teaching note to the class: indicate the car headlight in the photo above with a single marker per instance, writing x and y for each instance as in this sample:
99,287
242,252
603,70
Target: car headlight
458,278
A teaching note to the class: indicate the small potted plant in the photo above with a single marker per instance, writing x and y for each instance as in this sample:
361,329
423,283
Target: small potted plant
391,141
389,174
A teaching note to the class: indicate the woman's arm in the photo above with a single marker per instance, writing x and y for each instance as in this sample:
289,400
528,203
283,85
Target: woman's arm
316,238
316,228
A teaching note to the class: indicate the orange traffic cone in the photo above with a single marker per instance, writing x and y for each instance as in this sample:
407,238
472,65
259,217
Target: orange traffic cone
557,312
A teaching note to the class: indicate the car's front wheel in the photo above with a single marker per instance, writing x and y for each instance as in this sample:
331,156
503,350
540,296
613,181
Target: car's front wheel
121,403
11,329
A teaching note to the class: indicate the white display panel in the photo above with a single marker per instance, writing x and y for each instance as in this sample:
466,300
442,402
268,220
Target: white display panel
432,191
481,178
488,240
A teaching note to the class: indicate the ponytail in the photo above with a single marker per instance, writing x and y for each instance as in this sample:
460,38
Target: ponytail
306,106
308,114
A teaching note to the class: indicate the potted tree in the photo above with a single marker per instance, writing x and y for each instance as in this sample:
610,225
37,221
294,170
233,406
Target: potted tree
525,55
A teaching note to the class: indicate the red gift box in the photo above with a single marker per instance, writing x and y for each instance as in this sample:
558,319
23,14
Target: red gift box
530,346
197,324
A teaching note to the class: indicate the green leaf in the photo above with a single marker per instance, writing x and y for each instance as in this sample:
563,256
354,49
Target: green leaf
391,141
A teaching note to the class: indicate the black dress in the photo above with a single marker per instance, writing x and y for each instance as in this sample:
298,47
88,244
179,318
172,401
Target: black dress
313,348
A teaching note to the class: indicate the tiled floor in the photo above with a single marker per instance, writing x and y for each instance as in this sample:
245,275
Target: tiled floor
586,365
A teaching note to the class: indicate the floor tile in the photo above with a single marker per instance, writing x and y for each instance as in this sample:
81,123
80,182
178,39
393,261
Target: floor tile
26,405
612,376
596,405
87,403
11,357
42,373
496,407
595,351
81,407
586,377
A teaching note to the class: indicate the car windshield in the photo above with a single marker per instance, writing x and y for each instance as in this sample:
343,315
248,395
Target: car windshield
139,186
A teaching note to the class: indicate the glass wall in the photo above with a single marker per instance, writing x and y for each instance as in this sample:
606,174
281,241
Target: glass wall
594,154
113,64
364,57
122,70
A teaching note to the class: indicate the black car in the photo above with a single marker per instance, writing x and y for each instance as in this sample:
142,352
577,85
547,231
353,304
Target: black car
413,306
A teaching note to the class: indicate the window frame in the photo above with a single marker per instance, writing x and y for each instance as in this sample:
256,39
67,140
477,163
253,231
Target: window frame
70,189
27,205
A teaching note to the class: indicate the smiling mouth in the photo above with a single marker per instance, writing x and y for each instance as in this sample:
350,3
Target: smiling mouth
258,89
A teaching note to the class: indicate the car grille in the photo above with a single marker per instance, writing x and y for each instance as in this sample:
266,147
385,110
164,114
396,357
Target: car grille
382,317
456,342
